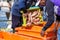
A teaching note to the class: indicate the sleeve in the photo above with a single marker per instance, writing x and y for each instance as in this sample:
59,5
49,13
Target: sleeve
22,5
50,12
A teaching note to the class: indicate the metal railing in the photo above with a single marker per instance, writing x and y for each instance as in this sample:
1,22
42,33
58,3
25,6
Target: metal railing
4,20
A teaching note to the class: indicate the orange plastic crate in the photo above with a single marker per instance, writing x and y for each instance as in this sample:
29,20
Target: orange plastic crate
29,34
35,32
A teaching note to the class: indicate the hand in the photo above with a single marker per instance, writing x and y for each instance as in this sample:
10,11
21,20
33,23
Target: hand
42,33
55,29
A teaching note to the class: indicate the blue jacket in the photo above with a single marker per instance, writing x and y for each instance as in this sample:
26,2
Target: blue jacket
17,6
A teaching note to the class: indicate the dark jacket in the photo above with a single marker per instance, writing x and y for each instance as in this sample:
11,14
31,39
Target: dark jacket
17,6
50,12
21,5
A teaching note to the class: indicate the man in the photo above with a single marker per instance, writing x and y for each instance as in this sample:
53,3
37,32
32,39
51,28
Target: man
50,12
19,5
57,26
17,19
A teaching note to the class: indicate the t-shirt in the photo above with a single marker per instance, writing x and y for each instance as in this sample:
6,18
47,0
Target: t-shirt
5,7
57,2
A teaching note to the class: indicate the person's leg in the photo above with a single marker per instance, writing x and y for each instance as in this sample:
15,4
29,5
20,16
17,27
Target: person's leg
15,21
20,21
8,15
58,27
58,33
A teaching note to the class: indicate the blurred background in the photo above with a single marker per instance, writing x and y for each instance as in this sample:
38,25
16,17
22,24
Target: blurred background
5,14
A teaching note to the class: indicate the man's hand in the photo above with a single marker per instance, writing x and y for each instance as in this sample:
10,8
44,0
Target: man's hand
42,33
55,29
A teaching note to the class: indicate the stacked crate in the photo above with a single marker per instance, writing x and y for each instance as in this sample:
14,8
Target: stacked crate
34,33
30,33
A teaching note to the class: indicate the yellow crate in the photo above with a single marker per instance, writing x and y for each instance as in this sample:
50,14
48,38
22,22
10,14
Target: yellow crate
32,9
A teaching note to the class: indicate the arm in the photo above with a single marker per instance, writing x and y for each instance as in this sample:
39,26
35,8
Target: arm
21,5
50,11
